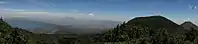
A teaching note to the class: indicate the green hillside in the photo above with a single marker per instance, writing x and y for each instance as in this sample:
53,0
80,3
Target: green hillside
10,36
142,30
5,28
156,22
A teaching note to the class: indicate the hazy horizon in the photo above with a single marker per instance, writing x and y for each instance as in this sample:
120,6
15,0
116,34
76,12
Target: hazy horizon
115,10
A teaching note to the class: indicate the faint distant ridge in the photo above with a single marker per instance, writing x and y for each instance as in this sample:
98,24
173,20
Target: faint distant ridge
188,25
156,22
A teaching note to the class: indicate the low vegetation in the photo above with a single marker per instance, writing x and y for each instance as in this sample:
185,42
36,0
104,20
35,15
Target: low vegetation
144,35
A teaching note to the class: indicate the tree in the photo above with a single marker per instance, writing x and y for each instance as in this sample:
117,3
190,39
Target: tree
9,35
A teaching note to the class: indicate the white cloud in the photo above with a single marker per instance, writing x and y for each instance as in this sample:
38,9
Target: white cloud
1,2
13,10
13,13
19,16
26,12
91,14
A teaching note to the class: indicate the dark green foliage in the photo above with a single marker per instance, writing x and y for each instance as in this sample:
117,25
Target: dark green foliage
140,34
9,35
17,37
149,30
65,40
5,28
5,31
192,35
41,42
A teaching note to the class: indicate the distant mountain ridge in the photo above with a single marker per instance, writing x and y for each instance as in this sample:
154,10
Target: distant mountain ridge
10,35
68,25
71,25
86,23
188,25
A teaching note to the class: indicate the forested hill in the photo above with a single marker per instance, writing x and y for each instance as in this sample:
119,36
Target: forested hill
142,30
156,22
5,28
10,36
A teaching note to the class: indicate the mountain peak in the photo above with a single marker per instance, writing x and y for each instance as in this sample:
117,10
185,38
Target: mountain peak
155,22
145,17
189,25
187,22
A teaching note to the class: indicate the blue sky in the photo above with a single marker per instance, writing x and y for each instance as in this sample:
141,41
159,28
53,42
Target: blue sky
177,10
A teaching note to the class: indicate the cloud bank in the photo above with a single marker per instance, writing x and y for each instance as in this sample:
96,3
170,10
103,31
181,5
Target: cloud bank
1,2
21,13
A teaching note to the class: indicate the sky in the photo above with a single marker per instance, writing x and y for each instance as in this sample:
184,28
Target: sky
117,10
